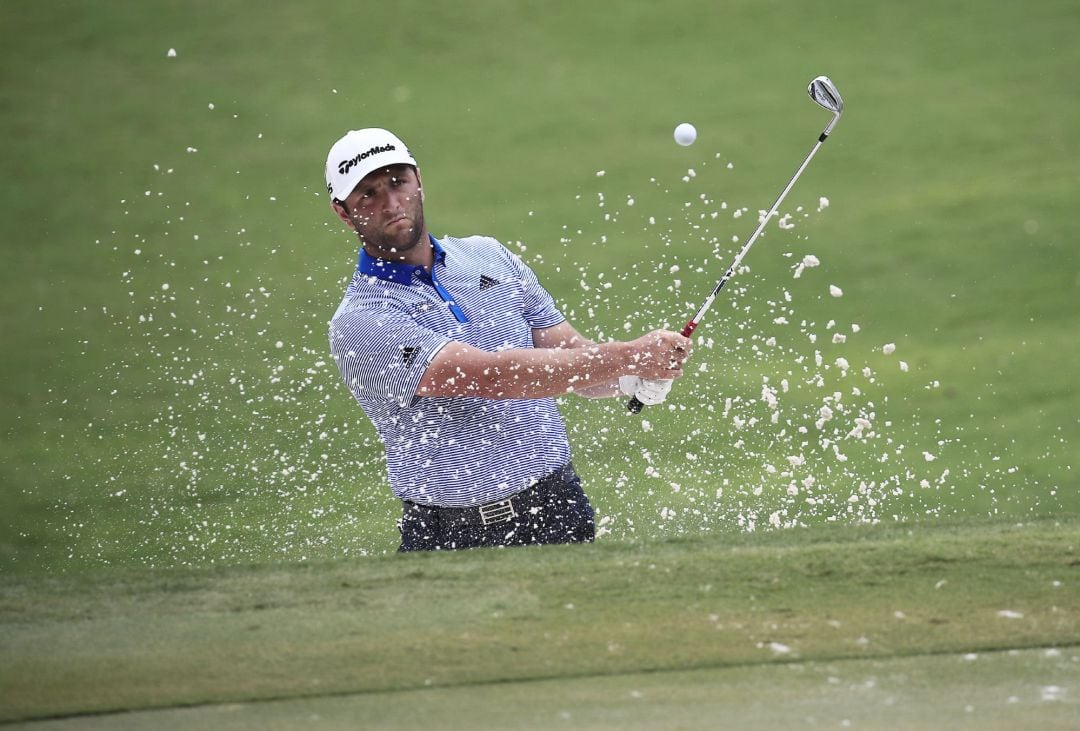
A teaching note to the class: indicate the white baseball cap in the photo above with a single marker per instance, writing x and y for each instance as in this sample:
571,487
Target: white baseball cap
360,152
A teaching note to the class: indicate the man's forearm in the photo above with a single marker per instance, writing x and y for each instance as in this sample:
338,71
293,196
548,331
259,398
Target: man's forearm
574,339
525,372
459,369
600,390
536,372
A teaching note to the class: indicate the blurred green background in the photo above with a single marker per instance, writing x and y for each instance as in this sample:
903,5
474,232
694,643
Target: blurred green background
171,261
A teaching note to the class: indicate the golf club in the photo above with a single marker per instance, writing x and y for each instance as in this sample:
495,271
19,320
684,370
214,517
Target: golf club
823,91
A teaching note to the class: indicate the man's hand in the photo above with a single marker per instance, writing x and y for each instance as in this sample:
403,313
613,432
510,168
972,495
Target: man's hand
659,355
649,393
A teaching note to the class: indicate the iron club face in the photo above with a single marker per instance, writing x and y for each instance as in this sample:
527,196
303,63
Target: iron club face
824,92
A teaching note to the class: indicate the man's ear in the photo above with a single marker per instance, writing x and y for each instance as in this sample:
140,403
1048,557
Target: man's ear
420,183
339,209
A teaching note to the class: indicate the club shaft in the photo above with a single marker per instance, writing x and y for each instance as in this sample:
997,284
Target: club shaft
692,324
634,404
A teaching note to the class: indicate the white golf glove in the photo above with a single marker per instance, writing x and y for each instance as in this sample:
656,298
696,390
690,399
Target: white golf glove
647,392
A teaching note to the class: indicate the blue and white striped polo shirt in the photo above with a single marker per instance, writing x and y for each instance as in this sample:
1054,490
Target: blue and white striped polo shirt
394,318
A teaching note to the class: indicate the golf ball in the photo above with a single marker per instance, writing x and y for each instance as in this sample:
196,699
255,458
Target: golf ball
685,134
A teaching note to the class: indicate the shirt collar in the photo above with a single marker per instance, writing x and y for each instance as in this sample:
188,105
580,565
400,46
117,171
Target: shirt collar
394,271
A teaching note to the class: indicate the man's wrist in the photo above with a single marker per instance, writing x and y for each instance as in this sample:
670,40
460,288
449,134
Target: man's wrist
619,357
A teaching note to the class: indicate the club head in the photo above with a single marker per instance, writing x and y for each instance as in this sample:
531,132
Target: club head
824,92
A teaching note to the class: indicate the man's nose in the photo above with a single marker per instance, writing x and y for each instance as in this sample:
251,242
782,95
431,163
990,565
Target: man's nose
393,199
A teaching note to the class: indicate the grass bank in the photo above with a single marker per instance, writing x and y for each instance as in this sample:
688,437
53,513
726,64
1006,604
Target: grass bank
136,639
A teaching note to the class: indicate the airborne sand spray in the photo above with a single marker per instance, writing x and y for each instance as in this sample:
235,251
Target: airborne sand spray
245,447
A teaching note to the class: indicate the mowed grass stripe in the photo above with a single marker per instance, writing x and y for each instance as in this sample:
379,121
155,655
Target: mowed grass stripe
135,639
986,691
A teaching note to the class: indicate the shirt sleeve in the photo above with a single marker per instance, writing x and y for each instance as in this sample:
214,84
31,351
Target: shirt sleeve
382,353
540,310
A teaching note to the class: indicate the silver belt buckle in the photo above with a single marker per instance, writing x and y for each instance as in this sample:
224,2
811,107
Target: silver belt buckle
498,512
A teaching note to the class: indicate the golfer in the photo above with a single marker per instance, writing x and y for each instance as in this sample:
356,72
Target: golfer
455,352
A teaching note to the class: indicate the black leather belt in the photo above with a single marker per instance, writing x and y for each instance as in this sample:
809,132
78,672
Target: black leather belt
536,496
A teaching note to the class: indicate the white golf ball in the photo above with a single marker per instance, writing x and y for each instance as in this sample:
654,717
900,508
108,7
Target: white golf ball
685,134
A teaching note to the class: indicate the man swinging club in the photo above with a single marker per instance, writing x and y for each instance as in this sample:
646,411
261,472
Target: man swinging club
455,352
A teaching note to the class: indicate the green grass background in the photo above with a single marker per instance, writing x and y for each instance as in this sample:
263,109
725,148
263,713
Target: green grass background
163,427
183,502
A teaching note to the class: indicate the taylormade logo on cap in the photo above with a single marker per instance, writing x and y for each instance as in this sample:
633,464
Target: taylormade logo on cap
360,152
345,165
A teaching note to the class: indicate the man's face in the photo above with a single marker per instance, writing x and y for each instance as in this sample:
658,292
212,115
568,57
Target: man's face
386,211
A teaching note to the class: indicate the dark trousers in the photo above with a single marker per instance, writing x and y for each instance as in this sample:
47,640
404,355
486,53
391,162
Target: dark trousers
554,510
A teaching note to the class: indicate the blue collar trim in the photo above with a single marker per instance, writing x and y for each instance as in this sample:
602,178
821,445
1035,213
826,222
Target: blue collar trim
393,271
